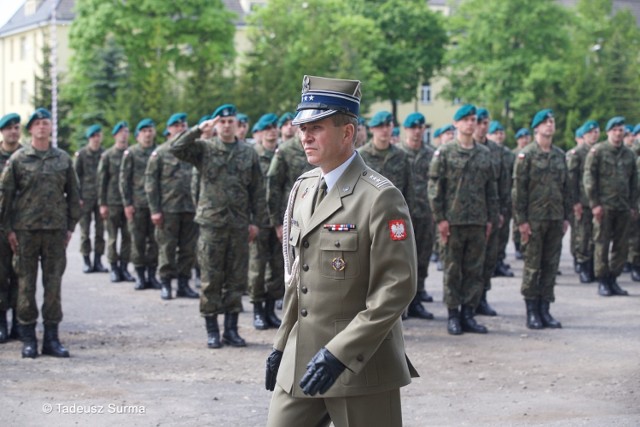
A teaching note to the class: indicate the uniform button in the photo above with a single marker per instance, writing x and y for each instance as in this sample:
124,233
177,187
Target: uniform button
305,267
304,289
360,358
305,243
337,244
304,312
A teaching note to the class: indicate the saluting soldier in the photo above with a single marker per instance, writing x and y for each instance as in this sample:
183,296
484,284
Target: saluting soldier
10,130
542,207
168,187
40,209
611,183
86,166
136,206
111,208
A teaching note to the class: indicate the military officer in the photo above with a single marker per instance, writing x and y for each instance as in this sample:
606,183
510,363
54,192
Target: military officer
136,206
168,187
230,207
10,130
351,255
35,177
463,198
110,202
542,207
393,163
611,183
86,166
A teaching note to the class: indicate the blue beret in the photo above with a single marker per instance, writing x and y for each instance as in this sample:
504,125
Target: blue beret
589,125
437,132
92,130
448,128
522,132
628,128
380,118
225,110
395,131
118,126
40,113
242,118
481,114
579,133
165,132
323,97
266,120
9,120
540,117
255,129
464,111
177,118
285,118
495,126
144,123
414,119
616,121
636,130
204,119
362,121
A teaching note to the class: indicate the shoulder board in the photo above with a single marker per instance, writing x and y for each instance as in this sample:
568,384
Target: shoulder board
378,181
309,174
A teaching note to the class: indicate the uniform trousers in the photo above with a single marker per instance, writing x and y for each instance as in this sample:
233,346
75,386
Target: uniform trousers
541,260
584,236
611,242
266,267
117,222
91,213
8,278
145,249
177,242
463,265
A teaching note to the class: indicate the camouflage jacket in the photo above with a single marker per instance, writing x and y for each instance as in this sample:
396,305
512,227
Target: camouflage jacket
109,177
132,170
287,165
231,184
4,156
40,191
576,158
508,160
420,161
168,183
610,177
462,185
541,185
265,157
86,166
503,182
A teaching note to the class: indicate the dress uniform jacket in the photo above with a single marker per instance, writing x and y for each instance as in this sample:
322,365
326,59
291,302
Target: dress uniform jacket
353,275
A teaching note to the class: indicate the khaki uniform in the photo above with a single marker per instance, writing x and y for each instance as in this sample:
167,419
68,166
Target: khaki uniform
86,167
8,278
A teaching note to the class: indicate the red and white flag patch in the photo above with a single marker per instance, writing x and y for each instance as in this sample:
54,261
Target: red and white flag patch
398,229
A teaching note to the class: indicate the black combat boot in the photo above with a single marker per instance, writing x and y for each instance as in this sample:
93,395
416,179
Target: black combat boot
586,275
230,335
577,267
502,270
270,314
518,250
15,331
165,292
626,268
533,314
86,264
116,274
424,296
279,303
152,281
484,308
184,291
615,288
259,319
453,324
197,281
141,282
97,264
468,323
635,273
4,330
416,309
603,287
29,341
547,319
124,271
51,344
213,333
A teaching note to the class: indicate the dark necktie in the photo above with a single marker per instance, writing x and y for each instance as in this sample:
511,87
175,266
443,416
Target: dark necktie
322,191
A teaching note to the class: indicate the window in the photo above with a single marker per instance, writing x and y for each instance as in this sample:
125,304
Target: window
425,94
24,93
23,48
11,94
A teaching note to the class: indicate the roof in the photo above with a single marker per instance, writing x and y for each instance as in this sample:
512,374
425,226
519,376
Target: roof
632,5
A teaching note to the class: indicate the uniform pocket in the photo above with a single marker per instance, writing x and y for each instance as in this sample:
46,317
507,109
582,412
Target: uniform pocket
339,254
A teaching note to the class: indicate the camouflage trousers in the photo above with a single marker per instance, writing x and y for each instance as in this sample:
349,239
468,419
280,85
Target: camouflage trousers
424,233
144,249
8,278
48,248
634,242
177,241
583,239
118,222
91,213
266,267
515,234
573,244
503,237
463,264
611,242
223,255
490,257
541,261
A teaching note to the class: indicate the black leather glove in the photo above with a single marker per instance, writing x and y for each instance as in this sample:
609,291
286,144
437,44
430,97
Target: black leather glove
273,363
322,371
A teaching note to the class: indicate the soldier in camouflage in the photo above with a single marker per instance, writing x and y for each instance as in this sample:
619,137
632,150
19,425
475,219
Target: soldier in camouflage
36,176
231,204
633,259
136,207
523,138
611,183
463,198
287,129
168,187
542,207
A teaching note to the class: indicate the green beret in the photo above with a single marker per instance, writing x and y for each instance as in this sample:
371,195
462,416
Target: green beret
40,113
395,131
579,133
464,111
285,118
323,97
589,125
437,132
204,119
636,130
9,120
255,129
495,126
165,132
144,123
118,126
362,121
522,132
616,121
540,117
448,128
628,128
414,119
380,118
266,121
225,110
177,118
242,118
481,114
92,130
